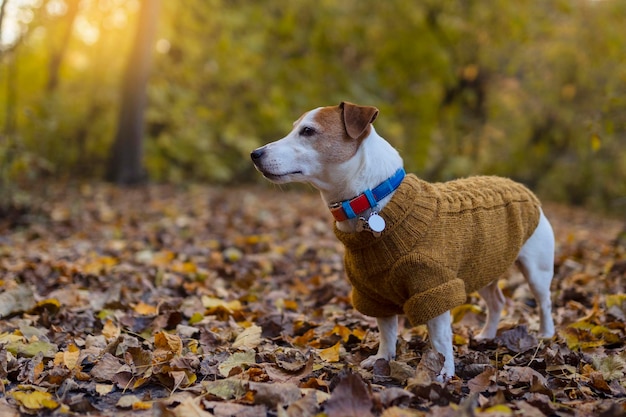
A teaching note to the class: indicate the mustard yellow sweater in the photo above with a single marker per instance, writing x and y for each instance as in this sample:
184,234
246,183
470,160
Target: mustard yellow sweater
442,242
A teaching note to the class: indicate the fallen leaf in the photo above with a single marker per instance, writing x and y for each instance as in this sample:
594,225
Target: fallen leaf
517,339
104,389
167,345
15,300
238,359
304,407
110,330
271,394
127,401
483,382
35,400
225,389
331,354
249,338
350,398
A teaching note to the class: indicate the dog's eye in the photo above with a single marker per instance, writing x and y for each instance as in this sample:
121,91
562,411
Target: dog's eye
307,131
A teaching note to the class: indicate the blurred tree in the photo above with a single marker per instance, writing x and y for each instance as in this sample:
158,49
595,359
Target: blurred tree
126,155
532,90
58,53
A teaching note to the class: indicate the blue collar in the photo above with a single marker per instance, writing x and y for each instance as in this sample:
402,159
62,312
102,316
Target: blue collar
350,209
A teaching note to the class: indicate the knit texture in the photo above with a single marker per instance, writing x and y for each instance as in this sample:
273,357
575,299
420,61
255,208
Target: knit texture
442,242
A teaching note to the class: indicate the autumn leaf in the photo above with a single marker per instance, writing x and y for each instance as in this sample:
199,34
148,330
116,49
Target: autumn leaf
35,400
351,398
167,345
69,358
331,354
13,300
239,359
249,338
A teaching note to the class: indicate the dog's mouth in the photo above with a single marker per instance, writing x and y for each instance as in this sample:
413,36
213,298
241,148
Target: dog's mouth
277,177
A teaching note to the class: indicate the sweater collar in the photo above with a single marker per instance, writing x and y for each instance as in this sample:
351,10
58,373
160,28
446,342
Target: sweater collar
350,209
408,215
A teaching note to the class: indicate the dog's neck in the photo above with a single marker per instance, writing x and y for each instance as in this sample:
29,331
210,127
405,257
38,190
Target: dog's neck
374,162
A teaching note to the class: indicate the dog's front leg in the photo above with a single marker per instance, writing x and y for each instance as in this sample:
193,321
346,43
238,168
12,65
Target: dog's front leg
440,332
388,334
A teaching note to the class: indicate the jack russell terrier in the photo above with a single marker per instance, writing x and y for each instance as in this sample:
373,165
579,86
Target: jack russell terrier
413,247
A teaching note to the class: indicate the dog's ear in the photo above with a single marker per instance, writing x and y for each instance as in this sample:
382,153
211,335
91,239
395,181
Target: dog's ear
357,118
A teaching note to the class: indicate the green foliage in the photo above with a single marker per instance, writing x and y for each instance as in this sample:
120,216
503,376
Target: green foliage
532,90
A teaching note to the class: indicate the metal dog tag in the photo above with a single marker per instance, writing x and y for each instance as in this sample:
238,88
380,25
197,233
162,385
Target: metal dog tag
376,223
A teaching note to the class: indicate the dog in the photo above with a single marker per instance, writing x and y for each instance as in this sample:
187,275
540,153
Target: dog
413,247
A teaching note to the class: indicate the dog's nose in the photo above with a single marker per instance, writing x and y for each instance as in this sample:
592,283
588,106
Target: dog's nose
257,154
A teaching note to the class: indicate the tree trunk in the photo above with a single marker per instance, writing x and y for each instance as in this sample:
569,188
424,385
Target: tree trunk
125,159
57,55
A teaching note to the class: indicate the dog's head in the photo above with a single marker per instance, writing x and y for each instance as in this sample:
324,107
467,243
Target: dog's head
322,140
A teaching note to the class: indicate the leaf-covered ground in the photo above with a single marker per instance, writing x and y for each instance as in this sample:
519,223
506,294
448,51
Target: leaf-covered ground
232,302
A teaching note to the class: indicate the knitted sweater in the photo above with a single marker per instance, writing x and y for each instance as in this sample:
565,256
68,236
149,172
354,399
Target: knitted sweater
442,242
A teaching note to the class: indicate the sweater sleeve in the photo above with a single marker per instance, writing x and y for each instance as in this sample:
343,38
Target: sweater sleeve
373,307
428,287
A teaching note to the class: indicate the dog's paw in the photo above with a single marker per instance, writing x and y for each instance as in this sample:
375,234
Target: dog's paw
371,361
484,336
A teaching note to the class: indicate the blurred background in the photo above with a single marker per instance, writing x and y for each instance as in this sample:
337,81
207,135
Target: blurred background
182,91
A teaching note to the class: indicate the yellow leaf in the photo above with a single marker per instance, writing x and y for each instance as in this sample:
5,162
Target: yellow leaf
249,338
110,330
341,331
459,312
500,409
596,142
212,303
185,267
459,340
142,405
11,338
291,305
196,318
70,356
35,400
331,354
359,333
615,300
145,309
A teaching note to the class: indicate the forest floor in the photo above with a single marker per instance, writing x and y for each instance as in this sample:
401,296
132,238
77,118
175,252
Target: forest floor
201,301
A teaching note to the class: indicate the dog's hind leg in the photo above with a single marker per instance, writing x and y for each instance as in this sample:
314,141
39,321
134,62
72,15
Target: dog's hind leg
536,261
440,333
388,330
495,303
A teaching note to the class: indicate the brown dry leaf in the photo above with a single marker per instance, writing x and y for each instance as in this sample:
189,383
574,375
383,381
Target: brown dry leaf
110,330
14,300
517,339
144,309
350,398
281,374
167,346
107,367
270,394
483,382
304,407
191,407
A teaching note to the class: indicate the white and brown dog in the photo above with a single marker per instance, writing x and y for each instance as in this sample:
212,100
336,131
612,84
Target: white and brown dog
358,173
